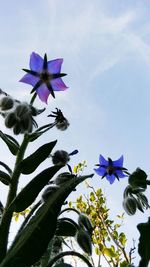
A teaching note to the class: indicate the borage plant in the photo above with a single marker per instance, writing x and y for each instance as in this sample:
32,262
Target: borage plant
39,226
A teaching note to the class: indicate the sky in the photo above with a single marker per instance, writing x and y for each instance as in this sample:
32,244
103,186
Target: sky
106,51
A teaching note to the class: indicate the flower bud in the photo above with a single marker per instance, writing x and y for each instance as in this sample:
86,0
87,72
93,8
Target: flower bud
62,125
26,123
85,223
22,109
10,120
138,178
84,241
17,128
130,205
6,103
48,192
60,157
63,177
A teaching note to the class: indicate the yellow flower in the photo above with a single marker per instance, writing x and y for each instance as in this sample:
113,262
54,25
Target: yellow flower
22,213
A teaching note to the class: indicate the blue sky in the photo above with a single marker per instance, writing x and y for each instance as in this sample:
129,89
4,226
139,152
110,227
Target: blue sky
106,51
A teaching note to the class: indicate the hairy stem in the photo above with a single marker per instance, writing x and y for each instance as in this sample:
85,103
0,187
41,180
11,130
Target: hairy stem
8,212
69,253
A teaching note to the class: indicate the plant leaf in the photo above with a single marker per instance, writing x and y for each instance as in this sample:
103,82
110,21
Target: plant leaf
12,145
65,228
29,164
29,193
5,178
32,242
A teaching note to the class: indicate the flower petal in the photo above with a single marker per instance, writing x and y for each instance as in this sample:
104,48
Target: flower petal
43,93
58,85
103,161
36,62
29,79
110,178
100,171
118,162
54,66
120,174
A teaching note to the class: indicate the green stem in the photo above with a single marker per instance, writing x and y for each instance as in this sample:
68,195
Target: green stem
8,212
69,209
33,98
26,221
69,253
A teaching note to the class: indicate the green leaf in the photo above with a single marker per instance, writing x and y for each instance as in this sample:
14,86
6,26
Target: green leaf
5,178
65,228
29,164
144,243
29,193
109,252
122,239
124,264
10,142
32,242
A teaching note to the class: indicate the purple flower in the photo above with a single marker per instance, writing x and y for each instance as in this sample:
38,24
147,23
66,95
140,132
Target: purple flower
44,76
111,169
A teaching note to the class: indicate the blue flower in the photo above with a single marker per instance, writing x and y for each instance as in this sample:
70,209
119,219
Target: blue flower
44,76
111,169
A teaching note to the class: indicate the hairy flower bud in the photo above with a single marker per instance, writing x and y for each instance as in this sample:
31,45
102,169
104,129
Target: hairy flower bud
138,178
63,177
84,241
22,109
10,120
85,223
48,192
62,125
6,103
130,205
60,157
26,124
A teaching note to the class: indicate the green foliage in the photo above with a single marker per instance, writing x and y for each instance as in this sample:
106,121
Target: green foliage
11,143
29,193
29,164
5,178
65,228
34,238
144,243
108,241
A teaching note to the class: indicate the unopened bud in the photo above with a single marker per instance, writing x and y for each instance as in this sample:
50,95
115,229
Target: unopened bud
22,109
130,205
17,128
26,124
63,177
85,223
62,125
48,192
60,157
84,241
138,178
10,120
6,103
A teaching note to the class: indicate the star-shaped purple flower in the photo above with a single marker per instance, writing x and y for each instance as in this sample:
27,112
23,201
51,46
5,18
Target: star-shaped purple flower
44,76
111,169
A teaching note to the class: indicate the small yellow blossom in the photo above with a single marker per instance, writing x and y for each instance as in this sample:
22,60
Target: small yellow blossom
22,213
